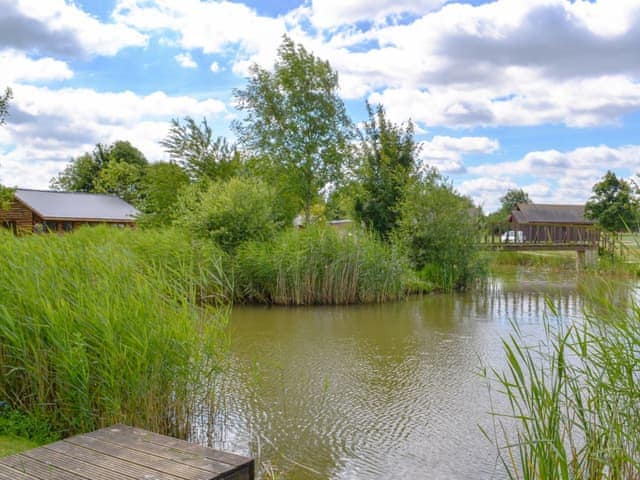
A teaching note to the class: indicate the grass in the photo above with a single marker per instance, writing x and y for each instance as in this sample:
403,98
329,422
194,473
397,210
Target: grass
318,265
574,397
105,326
10,445
548,260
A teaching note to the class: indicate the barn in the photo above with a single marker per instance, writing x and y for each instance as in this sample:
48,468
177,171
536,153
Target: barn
549,223
50,211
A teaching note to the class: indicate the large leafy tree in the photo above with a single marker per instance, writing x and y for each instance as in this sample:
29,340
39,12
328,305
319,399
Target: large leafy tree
159,192
4,104
613,204
199,153
388,164
295,123
115,168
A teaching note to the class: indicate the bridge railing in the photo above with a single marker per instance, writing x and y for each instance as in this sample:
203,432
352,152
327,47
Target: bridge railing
588,236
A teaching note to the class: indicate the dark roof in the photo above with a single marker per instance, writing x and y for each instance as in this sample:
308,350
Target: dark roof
77,206
540,213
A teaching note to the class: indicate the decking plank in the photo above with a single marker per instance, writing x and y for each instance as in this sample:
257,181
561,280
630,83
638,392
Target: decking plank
141,444
43,470
8,473
170,442
180,470
108,462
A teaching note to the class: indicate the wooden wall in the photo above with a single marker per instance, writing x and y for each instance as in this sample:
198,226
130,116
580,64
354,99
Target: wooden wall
19,215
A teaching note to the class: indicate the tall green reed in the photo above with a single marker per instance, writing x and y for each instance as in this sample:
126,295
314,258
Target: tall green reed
318,265
574,397
103,326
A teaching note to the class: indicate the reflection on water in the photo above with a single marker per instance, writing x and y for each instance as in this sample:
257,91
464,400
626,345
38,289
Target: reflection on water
378,391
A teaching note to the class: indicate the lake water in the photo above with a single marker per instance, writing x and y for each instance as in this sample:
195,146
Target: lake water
378,391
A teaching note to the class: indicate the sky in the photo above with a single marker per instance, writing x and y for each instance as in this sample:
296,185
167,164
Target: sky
542,95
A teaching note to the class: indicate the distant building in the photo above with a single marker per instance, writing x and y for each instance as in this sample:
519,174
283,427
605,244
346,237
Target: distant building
550,223
49,211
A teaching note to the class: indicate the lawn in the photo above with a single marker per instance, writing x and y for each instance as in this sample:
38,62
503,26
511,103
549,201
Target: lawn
11,444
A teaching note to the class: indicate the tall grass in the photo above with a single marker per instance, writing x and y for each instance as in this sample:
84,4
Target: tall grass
318,265
574,398
102,326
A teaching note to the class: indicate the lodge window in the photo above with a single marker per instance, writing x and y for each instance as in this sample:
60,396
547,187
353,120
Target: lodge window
10,225
67,226
48,226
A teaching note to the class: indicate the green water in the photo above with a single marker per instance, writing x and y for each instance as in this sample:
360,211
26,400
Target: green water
378,391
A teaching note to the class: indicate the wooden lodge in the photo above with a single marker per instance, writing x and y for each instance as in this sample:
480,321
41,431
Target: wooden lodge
48,211
555,224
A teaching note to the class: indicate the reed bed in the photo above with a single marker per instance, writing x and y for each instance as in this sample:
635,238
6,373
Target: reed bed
103,326
574,397
318,265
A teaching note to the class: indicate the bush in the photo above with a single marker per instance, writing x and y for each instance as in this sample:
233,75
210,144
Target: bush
440,235
229,213
318,265
101,326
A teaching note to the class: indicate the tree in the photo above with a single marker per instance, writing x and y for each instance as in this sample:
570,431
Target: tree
388,163
510,200
159,188
295,123
439,232
122,179
4,104
193,147
85,173
613,204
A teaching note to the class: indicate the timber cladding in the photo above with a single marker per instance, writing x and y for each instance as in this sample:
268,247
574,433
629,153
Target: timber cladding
18,218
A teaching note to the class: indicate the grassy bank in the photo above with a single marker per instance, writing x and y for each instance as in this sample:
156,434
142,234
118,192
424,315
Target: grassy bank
103,326
574,397
319,266
542,260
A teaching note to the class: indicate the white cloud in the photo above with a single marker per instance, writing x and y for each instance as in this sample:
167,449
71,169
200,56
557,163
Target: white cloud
214,67
185,60
17,67
331,13
61,28
560,177
446,153
46,128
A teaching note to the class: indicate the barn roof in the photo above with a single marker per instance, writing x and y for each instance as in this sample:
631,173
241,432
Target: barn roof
548,213
77,206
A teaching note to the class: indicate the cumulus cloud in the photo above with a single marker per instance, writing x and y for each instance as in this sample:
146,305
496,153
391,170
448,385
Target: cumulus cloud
60,28
561,177
446,153
46,128
17,67
186,60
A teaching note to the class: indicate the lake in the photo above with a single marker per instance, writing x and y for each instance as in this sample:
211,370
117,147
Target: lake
378,391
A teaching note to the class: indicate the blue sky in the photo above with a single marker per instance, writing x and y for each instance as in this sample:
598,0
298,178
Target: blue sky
536,94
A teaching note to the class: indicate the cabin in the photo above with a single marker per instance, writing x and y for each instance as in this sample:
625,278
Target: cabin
41,211
552,223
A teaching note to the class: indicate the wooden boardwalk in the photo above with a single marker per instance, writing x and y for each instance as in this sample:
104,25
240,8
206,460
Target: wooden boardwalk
125,453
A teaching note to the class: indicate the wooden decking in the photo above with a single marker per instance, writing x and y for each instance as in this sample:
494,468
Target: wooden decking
125,453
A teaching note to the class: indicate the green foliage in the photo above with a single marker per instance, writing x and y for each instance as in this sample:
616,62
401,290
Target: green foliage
122,179
4,104
574,397
613,204
318,265
159,191
193,147
295,124
229,212
508,203
440,233
388,165
94,172
102,326
6,197
15,423
10,444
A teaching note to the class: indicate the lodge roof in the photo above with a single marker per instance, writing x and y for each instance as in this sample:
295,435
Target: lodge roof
77,206
549,213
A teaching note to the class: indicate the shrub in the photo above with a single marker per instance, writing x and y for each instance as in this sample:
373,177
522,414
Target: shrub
229,212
